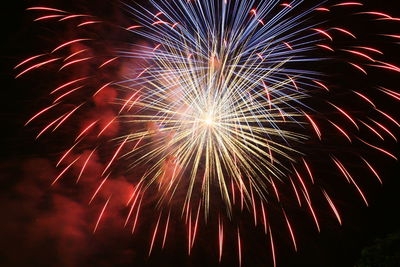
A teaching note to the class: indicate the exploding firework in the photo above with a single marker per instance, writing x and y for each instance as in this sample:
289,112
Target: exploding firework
220,107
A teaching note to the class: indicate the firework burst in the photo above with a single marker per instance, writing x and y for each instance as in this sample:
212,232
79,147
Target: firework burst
223,104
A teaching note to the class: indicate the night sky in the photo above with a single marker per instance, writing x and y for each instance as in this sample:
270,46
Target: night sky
52,226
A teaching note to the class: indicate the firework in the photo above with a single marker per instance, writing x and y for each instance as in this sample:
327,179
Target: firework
222,109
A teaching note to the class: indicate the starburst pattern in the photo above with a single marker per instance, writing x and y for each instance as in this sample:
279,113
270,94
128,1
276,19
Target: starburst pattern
226,97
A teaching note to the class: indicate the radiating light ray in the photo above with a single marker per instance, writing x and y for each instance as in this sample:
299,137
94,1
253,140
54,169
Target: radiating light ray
106,127
296,192
308,170
326,47
324,33
40,113
108,62
365,98
342,131
154,235
66,154
66,116
88,23
98,188
84,131
379,149
75,54
290,230
64,171
373,130
67,93
48,17
102,88
385,129
137,215
333,207
348,4
314,215
68,84
74,16
74,62
345,31
324,9
264,216
114,156
346,115
373,170
359,54
46,9
84,165
271,239
68,43
350,178
389,117
28,60
101,215
239,246
220,238
37,66
370,49
358,67
166,230
314,125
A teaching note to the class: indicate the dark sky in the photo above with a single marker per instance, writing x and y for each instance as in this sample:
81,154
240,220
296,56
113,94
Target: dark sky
43,226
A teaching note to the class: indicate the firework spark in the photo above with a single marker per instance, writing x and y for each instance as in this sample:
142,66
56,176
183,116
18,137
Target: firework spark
220,106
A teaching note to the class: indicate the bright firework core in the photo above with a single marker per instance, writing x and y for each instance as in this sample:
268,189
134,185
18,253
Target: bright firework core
209,119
